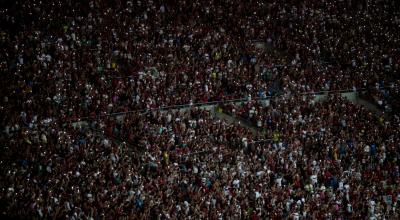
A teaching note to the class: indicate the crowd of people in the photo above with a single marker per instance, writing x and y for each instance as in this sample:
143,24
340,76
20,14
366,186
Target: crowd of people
95,57
386,98
166,168
332,144
84,135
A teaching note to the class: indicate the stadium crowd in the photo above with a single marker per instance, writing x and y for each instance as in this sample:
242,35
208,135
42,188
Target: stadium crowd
344,147
69,66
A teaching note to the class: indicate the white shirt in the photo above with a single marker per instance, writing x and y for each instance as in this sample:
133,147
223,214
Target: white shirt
279,181
314,179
